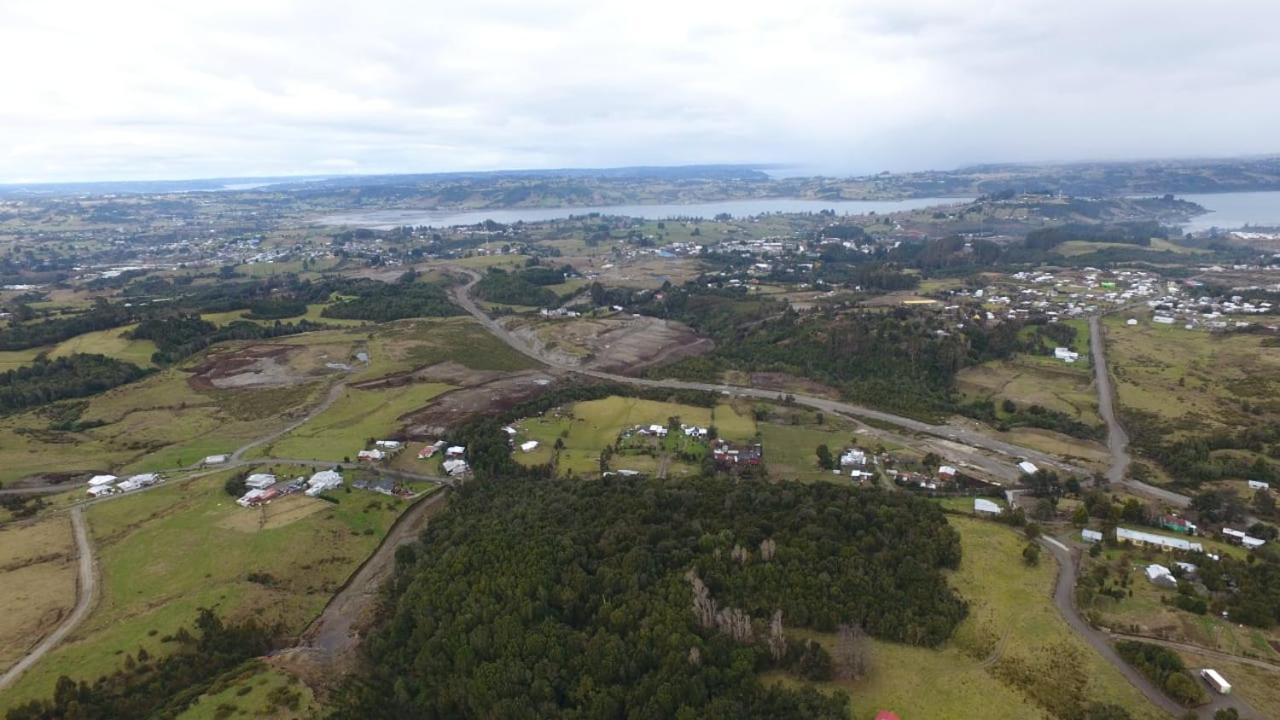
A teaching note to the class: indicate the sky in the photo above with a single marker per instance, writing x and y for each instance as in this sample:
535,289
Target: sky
127,90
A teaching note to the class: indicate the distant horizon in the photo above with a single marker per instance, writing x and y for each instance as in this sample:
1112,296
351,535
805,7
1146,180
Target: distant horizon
765,167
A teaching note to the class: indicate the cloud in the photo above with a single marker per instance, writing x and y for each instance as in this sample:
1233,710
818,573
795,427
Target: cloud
263,87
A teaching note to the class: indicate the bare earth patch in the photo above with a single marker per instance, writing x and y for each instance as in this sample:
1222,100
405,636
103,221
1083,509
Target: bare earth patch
621,343
454,408
264,365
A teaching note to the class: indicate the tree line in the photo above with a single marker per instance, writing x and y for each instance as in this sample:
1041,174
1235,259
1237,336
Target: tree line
71,376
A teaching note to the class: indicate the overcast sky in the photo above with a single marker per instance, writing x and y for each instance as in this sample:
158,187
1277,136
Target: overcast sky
99,90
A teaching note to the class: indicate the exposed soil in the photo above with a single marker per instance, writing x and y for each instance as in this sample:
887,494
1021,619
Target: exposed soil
622,344
454,408
255,366
782,382
449,372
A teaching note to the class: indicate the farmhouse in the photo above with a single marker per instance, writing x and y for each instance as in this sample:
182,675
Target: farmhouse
1177,524
853,457
1028,467
100,490
373,455
1258,485
260,481
1090,536
946,473
97,480
529,446
1161,576
145,479
728,454
1066,354
455,451
1240,538
428,451
1137,537
322,481
455,467
982,506
391,446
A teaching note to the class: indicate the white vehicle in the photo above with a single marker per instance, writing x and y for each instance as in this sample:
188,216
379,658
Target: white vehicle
1218,682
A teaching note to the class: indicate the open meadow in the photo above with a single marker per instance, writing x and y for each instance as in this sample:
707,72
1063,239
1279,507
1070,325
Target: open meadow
1013,654
37,582
167,552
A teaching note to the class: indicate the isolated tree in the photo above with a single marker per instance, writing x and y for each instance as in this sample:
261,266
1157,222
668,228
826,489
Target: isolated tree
825,461
1080,517
1031,554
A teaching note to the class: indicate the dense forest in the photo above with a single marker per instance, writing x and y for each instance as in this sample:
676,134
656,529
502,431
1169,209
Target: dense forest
147,687
72,376
546,598
25,335
516,288
902,359
383,302
180,336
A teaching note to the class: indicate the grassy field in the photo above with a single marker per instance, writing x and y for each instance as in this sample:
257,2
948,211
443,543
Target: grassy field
409,344
185,545
1028,381
255,691
111,343
37,582
1012,624
588,427
342,430
1144,612
1191,378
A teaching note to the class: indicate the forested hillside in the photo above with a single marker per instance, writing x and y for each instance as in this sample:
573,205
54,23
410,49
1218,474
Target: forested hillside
647,598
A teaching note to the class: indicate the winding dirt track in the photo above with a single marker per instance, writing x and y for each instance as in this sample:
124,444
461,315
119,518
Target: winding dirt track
87,590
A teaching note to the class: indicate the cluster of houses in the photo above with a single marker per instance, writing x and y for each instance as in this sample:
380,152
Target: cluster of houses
100,485
262,488
527,446
857,462
728,455
455,464
381,450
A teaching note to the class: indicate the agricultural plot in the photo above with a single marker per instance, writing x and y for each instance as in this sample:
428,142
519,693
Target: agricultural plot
1144,610
1193,379
791,450
407,345
165,553
587,428
1013,631
356,416
37,582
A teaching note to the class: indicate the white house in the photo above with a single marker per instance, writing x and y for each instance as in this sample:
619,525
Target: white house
1161,575
322,481
214,460
946,472
145,479
1028,467
986,507
455,451
455,467
529,446
658,430
260,481
1258,485
1162,319
853,457
100,490
97,480
1066,354
1138,537
389,445
1090,536
370,455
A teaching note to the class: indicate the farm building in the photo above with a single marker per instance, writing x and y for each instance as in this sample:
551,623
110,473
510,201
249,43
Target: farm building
322,481
1028,467
1258,485
529,446
455,467
97,480
1177,524
455,451
1239,537
1161,576
1090,536
1138,537
145,479
946,473
693,431
430,450
853,457
260,481
214,460
100,490
1066,354
389,445
726,453
986,507
371,455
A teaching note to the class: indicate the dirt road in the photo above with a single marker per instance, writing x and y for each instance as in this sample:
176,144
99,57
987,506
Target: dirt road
86,591
1117,437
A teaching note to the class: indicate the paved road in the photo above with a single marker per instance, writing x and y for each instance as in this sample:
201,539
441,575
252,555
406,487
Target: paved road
86,590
